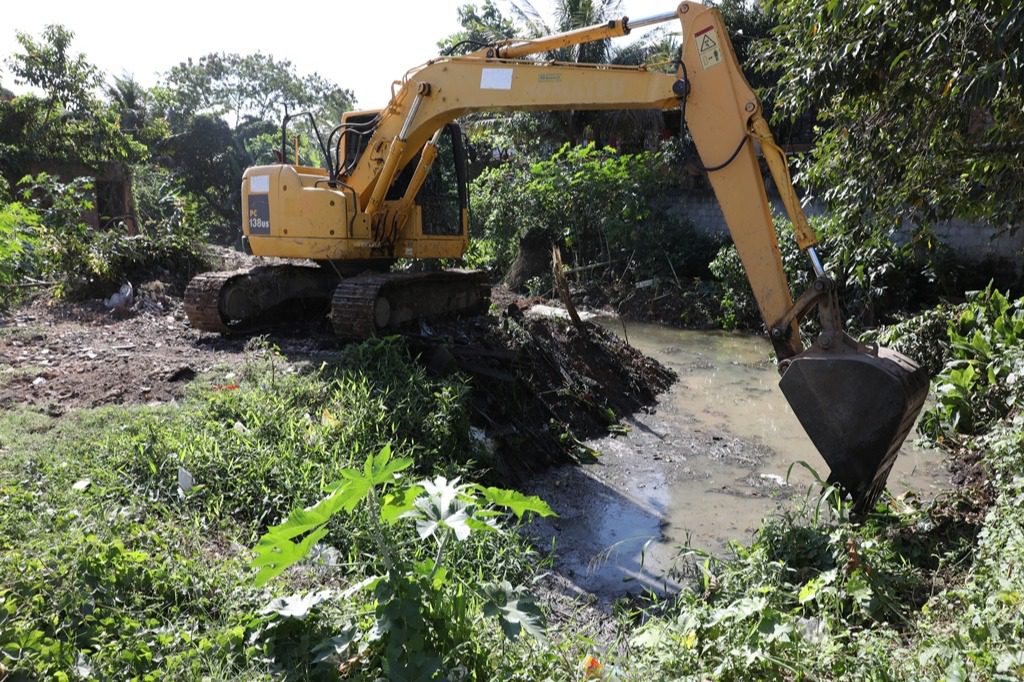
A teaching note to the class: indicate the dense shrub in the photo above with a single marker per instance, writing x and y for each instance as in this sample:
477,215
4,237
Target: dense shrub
876,277
277,437
54,241
983,381
124,532
21,257
601,205
923,337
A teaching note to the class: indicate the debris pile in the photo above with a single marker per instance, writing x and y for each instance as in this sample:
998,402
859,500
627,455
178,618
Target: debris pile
540,385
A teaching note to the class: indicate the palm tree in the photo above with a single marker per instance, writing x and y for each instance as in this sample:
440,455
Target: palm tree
131,101
569,15
637,129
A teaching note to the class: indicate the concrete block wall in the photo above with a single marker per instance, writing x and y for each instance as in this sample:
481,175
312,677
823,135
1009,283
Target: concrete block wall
706,214
972,243
977,245
976,242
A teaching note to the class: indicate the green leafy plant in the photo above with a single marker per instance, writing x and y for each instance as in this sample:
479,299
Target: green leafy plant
923,337
918,105
421,611
123,531
21,257
983,381
599,203
62,208
876,278
811,595
82,260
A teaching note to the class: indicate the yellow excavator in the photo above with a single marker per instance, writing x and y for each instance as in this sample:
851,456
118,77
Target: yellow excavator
362,212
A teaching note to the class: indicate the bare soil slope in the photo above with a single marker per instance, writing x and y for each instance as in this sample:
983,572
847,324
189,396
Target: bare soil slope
536,383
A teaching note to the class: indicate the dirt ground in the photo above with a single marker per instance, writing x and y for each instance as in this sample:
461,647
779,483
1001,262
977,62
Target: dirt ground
61,356
80,355
534,380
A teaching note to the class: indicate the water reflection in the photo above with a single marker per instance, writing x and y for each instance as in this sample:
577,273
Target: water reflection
727,383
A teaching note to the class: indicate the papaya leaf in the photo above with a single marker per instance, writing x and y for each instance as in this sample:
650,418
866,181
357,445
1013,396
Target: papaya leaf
274,555
515,609
516,502
276,549
395,506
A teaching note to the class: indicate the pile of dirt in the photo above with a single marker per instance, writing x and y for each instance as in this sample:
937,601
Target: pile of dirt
540,385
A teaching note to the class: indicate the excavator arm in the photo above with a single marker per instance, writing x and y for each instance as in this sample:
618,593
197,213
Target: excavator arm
857,403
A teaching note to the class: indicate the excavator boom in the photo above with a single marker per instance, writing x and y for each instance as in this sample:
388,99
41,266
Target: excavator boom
857,403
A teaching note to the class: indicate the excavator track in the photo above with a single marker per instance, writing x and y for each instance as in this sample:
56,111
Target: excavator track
258,298
263,297
369,304
202,299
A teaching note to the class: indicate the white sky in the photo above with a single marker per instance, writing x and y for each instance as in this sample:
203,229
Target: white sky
363,46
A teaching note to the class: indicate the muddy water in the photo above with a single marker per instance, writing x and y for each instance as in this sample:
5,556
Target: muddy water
721,451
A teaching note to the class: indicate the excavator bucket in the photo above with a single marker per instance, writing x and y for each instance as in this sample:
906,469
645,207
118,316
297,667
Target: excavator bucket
857,406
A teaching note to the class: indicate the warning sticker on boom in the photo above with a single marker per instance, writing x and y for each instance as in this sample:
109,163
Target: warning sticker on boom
708,46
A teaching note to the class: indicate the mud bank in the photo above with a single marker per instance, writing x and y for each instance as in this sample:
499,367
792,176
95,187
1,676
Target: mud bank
537,386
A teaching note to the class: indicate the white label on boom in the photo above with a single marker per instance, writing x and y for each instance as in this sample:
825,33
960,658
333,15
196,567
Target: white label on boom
259,183
496,79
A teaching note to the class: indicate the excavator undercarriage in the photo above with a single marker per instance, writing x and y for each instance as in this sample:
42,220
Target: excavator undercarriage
359,307
258,298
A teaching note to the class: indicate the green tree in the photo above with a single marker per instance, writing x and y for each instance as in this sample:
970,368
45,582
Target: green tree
569,15
68,121
207,160
481,26
255,86
68,80
494,136
600,204
134,106
921,105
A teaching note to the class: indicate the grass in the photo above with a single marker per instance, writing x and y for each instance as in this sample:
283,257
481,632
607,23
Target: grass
99,580
125,538
109,569
10,374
